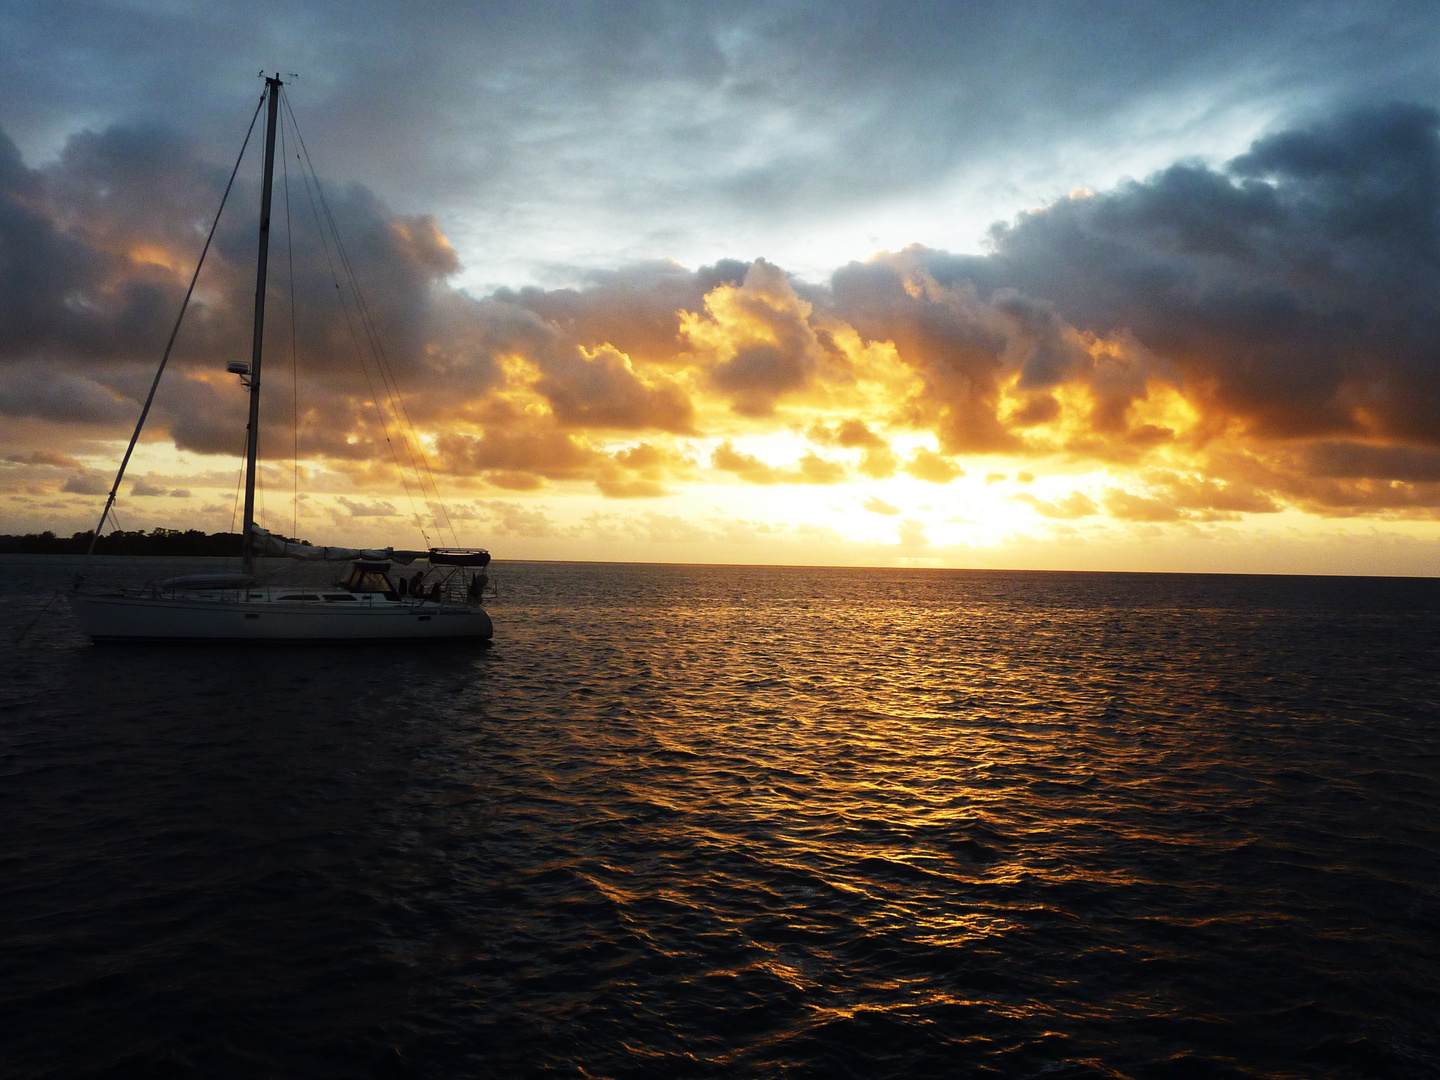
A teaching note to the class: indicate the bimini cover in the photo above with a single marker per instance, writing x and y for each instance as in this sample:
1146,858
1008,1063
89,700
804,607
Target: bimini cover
264,543
459,557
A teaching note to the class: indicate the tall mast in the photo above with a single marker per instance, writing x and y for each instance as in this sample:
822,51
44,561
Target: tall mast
252,440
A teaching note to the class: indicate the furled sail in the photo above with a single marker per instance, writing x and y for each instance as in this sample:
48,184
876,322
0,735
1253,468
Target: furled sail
264,543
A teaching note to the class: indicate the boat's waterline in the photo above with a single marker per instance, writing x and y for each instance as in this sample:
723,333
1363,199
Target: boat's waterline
161,618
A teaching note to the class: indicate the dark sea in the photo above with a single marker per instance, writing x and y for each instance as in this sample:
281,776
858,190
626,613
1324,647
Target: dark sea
684,821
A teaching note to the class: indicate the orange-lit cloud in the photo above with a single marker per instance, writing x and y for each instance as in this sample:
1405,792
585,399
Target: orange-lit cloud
1206,347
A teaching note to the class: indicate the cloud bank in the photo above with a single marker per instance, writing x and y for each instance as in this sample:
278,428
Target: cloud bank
1234,339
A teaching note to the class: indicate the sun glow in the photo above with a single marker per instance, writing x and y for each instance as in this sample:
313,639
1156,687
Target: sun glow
154,255
898,417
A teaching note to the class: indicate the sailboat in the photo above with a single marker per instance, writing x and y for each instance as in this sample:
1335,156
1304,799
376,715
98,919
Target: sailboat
372,601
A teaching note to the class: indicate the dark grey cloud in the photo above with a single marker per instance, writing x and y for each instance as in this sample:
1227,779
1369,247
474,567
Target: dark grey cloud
1352,461
41,391
52,291
1297,288
955,341
1294,288
632,308
607,132
1290,290
86,484
602,391
113,225
96,250
514,459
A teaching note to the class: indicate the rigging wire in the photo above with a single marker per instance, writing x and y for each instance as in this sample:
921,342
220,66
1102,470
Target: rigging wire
260,518
364,368
396,400
294,367
109,510
239,484
387,377
308,174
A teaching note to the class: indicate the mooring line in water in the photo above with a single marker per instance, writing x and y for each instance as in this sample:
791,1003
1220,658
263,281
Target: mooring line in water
37,617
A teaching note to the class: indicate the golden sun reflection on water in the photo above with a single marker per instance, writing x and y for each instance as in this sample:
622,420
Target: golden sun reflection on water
756,821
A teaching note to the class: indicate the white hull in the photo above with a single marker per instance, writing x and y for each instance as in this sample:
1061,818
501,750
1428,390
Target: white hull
164,618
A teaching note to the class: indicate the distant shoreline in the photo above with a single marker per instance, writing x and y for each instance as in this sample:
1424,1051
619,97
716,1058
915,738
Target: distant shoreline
158,542
913,571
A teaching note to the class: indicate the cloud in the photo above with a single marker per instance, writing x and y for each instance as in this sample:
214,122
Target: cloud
880,506
1294,290
538,454
513,480
513,520
554,155
630,489
144,488
669,529
746,466
1127,506
44,457
927,465
54,293
30,389
850,433
632,308
1206,494
756,340
649,459
374,509
1075,505
1226,339
1356,460
878,461
814,469
810,469
87,483
101,244
911,535
600,389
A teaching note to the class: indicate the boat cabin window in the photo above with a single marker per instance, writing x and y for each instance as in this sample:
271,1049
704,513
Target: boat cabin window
339,596
300,596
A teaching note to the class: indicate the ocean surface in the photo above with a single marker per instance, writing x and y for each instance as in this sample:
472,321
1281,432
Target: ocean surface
735,822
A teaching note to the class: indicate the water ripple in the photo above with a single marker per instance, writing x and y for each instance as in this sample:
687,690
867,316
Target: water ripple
689,821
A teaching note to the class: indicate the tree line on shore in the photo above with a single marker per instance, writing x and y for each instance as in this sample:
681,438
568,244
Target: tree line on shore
172,542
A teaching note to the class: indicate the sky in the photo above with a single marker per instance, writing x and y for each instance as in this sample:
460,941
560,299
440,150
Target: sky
1107,286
